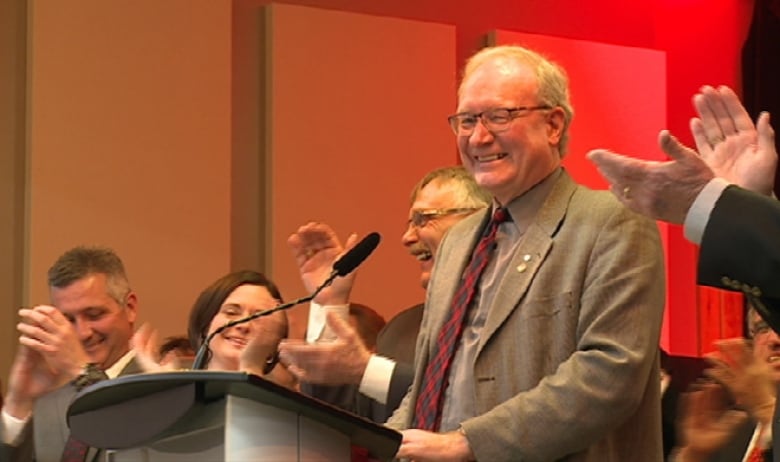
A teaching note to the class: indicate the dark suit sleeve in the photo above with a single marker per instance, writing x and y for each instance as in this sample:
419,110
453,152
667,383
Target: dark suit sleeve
24,451
403,375
341,396
740,249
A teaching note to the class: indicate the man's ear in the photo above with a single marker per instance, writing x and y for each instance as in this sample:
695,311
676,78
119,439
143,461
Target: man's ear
555,122
131,305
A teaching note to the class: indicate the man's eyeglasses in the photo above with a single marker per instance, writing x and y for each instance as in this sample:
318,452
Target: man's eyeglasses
421,217
759,328
496,120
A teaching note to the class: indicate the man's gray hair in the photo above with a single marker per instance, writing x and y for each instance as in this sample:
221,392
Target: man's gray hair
80,262
468,194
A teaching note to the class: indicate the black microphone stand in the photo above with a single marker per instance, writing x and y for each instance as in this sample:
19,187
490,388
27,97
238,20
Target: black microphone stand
203,351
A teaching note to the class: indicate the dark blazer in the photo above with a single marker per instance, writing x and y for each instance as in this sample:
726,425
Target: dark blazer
45,434
740,250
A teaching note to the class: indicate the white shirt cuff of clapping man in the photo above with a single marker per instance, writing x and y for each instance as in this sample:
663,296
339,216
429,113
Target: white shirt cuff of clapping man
316,323
376,378
699,214
12,428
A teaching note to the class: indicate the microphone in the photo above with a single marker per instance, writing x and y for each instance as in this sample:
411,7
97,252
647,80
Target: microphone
352,259
341,267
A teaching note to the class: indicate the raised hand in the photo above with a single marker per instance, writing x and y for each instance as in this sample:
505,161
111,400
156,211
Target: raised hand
729,142
47,331
260,356
661,190
146,344
706,422
746,377
337,362
315,248
30,378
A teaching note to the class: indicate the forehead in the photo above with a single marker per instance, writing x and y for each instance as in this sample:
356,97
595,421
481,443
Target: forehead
436,195
498,83
88,292
250,295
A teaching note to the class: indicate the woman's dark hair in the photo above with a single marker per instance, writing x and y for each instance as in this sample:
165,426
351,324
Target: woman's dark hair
211,299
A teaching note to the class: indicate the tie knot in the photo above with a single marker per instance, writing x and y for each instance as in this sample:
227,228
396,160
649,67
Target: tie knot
500,215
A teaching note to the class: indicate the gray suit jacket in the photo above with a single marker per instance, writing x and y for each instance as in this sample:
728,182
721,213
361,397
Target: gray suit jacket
567,367
45,434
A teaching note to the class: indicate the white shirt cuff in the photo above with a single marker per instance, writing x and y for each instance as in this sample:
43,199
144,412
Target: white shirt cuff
699,214
315,328
12,428
376,379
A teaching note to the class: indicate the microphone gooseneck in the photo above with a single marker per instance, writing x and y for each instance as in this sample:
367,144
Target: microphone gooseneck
341,267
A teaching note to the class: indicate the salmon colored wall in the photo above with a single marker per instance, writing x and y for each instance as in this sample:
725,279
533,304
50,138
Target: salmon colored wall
129,144
12,139
351,128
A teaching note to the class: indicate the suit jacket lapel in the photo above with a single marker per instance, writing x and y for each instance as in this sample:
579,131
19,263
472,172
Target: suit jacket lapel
462,238
529,256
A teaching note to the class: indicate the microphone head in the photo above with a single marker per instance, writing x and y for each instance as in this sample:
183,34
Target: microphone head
355,256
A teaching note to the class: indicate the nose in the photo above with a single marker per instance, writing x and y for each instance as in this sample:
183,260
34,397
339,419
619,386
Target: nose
83,329
410,235
481,134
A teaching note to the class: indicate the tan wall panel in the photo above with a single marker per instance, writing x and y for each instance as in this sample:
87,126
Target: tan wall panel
130,143
12,148
357,115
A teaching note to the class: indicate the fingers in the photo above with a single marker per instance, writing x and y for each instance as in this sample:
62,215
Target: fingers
736,111
616,168
41,327
675,149
715,119
766,135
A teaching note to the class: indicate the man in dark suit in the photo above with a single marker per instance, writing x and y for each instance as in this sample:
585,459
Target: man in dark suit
333,371
720,194
82,337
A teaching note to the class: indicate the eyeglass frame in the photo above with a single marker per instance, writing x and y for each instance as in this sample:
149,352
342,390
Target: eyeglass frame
760,327
512,114
422,217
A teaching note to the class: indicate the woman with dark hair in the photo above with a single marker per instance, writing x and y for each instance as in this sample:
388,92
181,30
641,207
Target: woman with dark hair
249,346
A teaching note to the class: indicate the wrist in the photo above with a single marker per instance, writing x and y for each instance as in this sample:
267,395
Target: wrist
17,406
463,441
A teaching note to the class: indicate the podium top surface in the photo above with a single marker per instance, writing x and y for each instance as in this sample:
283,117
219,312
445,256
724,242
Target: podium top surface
112,406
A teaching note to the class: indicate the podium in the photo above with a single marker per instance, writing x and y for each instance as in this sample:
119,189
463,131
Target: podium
218,416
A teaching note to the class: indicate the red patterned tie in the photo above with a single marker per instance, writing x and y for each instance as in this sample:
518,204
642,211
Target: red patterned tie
427,413
75,449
